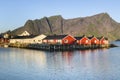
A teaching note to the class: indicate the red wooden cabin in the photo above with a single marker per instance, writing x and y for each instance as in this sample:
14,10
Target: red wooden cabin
103,40
68,40
83,40
94,40
3,40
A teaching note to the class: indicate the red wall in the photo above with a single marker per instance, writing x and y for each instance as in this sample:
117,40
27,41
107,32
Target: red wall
94,40
3,40
103,41
84,41
68,40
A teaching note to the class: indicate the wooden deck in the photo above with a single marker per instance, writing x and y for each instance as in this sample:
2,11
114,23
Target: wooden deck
58,47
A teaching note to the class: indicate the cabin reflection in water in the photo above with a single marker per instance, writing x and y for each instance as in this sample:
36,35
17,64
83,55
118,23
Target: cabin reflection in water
92,58
30,58
24,64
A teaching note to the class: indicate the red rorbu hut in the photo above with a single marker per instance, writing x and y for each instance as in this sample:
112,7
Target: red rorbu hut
103,40
83,40
3,40
59,39
94,40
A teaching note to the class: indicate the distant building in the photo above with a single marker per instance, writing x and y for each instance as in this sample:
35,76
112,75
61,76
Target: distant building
4,39
25,33
6,35
1,39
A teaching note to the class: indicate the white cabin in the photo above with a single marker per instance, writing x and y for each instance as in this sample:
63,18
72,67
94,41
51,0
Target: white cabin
28,39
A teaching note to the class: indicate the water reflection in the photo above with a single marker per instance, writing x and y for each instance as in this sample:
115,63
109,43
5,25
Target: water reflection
94,58
30,59
67,57
22,64
57,59
84,59
96,62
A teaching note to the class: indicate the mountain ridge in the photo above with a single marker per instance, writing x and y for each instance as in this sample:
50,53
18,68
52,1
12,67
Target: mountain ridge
99,25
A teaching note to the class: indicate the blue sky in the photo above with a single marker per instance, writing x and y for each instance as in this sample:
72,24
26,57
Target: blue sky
14,13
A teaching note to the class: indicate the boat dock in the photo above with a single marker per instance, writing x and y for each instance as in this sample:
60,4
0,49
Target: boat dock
58,47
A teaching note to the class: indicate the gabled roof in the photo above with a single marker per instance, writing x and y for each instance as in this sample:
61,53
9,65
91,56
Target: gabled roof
55,37
78,38
106,38
41,36
102,37
25,33
91,37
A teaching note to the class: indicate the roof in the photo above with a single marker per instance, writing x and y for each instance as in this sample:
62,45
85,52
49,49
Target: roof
1,36
98,37
25,33
102,37
91,37
24,37
106,38
78,38
55,37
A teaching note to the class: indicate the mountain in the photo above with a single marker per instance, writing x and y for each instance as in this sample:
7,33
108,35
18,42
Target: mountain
99,25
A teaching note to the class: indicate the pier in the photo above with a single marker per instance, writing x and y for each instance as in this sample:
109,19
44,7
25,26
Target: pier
58,47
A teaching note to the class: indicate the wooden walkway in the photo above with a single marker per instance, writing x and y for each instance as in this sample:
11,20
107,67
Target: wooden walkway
58,47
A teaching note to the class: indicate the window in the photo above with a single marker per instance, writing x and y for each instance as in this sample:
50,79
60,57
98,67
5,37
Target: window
34,40
65,41
86,41
95,41
39,40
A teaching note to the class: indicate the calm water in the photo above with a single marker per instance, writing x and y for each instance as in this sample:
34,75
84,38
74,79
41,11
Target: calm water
22,64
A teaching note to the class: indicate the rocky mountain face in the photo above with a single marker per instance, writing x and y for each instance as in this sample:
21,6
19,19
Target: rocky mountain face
98,25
